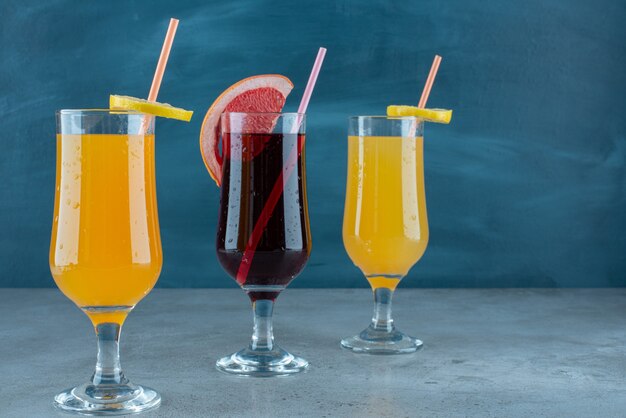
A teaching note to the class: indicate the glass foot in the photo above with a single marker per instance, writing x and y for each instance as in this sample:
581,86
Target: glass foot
276,362
89,399
376,341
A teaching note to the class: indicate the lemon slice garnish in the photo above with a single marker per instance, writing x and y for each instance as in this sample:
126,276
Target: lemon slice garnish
152,108
430,115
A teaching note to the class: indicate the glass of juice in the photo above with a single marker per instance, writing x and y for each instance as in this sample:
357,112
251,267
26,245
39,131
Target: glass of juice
263,238
105,251
385,228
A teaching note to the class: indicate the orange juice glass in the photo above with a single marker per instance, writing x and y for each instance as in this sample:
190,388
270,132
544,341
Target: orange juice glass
105,251
385,226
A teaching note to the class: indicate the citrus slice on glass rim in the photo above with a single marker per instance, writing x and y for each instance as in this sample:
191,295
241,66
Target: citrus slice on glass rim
164,110
261,93
429,115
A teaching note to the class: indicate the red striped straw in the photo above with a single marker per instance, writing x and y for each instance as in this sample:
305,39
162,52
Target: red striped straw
429,82
160,69
279,186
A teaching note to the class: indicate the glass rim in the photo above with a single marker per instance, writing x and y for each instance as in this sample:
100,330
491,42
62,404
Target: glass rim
380,117
264,113
98,112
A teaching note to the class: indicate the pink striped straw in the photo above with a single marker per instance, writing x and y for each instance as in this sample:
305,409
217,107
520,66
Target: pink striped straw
429,82
310,85
288,167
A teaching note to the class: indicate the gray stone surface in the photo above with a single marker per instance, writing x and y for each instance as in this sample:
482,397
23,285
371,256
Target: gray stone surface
487,353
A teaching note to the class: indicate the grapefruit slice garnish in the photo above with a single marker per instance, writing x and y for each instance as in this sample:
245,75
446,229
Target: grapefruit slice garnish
261,93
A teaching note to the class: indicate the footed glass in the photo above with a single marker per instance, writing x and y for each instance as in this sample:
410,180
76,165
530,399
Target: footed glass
105,251
263,238
385,227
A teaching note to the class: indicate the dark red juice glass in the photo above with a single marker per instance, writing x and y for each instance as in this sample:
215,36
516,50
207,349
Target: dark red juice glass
263,238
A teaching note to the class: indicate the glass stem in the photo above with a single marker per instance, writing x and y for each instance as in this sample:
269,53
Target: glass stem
382,320
108,369
263,334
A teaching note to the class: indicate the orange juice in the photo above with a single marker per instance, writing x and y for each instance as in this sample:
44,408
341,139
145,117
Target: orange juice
385,229
105,253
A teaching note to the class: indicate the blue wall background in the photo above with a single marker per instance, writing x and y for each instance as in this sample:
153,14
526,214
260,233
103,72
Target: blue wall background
526,187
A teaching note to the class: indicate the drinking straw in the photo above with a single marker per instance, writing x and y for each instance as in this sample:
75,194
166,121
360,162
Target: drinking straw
310,85
165,53
288,167
160,69
429,82
426,92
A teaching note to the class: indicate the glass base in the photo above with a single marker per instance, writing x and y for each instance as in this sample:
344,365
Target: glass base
276,362
89,399
377,341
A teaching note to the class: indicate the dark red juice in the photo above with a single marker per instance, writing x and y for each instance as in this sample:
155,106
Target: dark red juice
253,163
